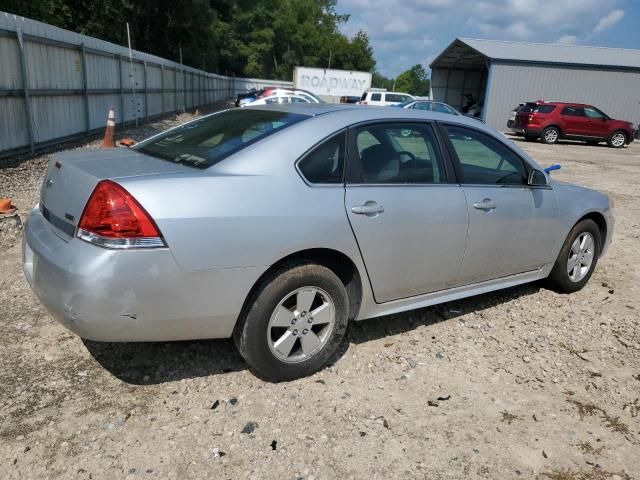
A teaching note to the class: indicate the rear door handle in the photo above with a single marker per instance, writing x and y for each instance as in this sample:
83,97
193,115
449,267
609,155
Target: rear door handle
487,205
370,209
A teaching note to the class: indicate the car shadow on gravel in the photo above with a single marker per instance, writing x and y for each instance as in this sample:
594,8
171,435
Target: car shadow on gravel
377,328
155,363
152,363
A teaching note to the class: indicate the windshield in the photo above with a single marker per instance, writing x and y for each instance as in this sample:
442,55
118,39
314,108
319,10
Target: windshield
205,142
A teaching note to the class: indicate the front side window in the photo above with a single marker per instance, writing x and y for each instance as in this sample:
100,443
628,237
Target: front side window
375,97
325,163
484,160
573,111
209,140
592,112
397,153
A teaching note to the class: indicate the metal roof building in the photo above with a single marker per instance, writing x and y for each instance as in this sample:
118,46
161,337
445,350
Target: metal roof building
502,74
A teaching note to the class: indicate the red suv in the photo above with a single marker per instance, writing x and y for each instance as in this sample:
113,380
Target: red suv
552,121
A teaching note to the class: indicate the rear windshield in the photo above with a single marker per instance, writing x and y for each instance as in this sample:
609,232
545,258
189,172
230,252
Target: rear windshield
535,108
207,141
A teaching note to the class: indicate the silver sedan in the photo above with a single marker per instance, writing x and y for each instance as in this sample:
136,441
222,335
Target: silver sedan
278,225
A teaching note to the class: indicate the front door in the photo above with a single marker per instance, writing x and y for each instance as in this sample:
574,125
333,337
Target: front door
409,221
512,226
576,123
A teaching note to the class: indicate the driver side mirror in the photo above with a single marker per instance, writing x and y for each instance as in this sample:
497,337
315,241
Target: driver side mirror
536,178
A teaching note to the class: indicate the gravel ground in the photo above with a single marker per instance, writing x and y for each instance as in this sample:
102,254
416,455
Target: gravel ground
523,383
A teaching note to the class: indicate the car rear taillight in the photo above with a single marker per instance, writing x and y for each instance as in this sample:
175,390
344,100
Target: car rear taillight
112,218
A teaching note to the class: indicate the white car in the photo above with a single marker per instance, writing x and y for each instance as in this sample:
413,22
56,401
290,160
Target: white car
383,99
300,93
277,99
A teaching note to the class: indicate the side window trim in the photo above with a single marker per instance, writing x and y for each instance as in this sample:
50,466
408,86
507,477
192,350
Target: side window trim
344,132
458,166
353,168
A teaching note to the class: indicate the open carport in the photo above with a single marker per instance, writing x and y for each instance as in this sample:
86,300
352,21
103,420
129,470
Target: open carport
502,74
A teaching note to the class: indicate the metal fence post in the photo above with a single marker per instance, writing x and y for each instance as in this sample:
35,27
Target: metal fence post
122,116
175,88
85,88
146,92
25,87
162,84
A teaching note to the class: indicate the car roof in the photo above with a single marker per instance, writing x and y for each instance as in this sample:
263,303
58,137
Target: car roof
353,113
570,104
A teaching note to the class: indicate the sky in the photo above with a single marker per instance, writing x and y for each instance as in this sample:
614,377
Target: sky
406,32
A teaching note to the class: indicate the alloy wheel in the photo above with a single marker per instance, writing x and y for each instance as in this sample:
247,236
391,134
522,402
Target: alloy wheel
551,135
301,324
580,257
618,139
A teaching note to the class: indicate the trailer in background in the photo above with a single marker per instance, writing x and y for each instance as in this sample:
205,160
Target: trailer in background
330,85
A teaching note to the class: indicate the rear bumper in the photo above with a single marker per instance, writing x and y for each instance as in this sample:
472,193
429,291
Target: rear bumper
525,131
125,296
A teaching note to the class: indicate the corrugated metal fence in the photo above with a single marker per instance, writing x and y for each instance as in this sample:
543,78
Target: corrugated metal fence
56,85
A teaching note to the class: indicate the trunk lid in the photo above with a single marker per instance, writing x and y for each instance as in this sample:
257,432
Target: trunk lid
72,176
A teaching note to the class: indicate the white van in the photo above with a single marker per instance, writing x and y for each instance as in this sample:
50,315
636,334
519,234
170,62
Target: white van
373,97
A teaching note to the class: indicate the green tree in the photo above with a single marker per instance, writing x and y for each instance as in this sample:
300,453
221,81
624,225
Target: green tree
414,81
254,38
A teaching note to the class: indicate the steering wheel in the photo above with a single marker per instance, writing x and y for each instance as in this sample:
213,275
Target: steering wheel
405,152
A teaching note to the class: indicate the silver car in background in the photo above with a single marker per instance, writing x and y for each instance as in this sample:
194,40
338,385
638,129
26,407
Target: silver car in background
278,225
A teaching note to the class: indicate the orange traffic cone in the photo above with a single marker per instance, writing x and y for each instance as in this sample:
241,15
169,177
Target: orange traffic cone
110,133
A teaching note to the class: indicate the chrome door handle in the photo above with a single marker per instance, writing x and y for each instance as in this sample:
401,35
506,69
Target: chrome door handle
487,204
370,209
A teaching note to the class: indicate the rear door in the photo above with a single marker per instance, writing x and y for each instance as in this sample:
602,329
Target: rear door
409,218
512,226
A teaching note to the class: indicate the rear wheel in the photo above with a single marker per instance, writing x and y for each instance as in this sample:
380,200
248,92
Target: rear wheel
577,259
550,135
617,139
295,322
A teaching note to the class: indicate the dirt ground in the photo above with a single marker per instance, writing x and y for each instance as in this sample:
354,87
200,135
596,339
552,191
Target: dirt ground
523,383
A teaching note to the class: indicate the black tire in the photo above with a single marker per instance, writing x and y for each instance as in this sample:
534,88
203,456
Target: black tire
558,279
610,140
548,138
530,138
250,334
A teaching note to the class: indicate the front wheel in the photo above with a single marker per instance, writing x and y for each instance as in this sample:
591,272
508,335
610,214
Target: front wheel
617,139
577,259
550,135
295,322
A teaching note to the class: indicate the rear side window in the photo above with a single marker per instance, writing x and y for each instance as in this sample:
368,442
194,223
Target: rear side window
422,106
535,108
573,111
442,108
393,97
325,163
211,139
484,160
544,109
